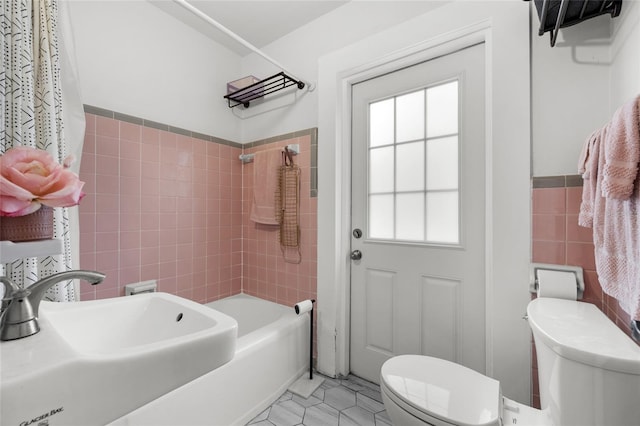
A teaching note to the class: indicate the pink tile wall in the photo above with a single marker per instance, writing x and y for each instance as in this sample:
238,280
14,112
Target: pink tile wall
173,208
162,206
557,239
266,274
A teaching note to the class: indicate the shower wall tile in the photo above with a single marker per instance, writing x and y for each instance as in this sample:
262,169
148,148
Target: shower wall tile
266,272
549,252
549,201
146,209
557,239
173,206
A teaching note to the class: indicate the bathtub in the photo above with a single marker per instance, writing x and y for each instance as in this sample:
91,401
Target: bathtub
272,351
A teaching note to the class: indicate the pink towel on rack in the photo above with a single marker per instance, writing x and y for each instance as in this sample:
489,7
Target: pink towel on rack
614,215
265,183
622,151
588,168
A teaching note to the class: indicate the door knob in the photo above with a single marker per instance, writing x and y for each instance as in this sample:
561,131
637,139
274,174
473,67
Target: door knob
356,255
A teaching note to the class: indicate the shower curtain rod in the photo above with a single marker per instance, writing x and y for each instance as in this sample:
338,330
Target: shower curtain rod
237,38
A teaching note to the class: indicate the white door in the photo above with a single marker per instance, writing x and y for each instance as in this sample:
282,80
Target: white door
418,214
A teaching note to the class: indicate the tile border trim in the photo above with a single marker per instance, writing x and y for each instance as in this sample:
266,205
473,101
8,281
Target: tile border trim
565,181
89,109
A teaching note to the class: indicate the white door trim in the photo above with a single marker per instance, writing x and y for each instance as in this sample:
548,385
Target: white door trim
438,46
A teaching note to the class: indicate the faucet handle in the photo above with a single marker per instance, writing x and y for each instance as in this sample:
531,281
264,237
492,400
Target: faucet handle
16,310
13,293
10,288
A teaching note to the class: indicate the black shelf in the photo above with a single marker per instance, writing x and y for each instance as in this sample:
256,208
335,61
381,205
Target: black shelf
556,14
261,88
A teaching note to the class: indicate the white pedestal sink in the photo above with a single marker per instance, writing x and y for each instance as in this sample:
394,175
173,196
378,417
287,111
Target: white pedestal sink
95,361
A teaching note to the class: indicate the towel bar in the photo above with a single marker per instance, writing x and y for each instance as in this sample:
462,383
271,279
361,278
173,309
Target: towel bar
293,148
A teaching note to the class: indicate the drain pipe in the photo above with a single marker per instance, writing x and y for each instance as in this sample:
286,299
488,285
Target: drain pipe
239,39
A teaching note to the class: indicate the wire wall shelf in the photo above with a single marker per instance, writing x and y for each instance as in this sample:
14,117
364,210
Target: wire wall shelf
556,14
261,88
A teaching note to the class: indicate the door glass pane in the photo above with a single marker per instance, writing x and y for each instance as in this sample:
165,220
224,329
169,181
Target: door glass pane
413,176
410,116
410,216
381,170
381,123
442,109
410,167
442,217
381,216
442,163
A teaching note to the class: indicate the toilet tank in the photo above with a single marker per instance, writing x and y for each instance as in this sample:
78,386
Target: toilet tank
588,369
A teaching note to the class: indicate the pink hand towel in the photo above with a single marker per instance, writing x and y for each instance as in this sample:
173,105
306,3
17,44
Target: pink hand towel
622,151
265,183
588,168
611,205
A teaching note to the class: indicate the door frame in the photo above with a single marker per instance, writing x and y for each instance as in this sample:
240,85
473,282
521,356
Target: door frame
431,49
505,29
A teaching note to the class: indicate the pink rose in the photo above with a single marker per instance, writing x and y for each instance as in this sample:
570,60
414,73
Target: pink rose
31,177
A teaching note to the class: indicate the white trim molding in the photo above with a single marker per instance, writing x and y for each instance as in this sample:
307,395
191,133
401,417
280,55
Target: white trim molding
442,31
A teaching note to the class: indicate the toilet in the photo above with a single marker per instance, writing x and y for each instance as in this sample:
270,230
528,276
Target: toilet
589,374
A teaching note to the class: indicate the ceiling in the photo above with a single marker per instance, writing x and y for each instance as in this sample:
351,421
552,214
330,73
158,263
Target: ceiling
259,22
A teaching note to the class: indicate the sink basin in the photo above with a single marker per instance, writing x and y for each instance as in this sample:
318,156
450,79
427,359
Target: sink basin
150,321
95,361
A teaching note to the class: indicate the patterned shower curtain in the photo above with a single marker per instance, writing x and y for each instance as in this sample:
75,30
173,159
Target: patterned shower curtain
31,115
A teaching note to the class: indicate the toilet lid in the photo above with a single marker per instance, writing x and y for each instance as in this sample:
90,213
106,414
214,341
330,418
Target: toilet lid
442,389
581,332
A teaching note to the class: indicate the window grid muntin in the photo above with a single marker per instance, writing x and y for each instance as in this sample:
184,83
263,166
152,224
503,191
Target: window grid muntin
425,140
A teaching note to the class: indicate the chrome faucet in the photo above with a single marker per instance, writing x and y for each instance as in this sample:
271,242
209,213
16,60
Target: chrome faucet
20,318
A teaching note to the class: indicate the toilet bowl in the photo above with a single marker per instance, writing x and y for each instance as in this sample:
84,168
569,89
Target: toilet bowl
420,390
589,374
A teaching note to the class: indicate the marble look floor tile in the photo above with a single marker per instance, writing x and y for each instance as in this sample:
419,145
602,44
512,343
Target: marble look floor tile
321,415
262,423
373,394
319,393
312,400
293,407
356,416
382,418
368,403
340,398
347,401
330,383
262,416
285,415
363,382
285,396
352,384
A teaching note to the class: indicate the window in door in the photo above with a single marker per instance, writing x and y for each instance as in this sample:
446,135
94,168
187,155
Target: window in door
413,185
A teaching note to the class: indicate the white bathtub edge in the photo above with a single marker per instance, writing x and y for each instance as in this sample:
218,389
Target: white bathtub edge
238,391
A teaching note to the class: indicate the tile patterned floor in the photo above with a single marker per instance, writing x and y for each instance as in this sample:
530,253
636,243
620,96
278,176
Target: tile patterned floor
351,401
